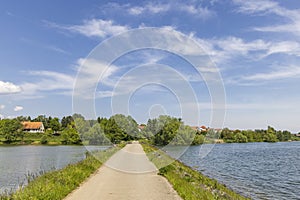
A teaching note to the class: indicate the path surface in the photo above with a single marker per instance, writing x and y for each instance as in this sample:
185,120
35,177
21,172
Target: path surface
128,174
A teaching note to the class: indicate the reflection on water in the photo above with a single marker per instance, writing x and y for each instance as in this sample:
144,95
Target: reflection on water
16,161
256,170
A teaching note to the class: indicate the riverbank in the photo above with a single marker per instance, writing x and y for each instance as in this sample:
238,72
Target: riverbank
127,175
189,184
58,184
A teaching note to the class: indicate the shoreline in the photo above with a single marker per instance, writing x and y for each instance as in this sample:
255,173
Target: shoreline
39,187
59,183
188,182
59,144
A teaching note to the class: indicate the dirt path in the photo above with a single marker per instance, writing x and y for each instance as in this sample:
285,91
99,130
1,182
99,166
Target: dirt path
128,174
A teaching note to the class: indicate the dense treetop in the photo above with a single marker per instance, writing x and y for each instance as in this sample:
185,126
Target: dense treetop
158,131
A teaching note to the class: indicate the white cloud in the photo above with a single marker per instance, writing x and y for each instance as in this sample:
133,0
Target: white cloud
286,47
2,107
9,88
136,10
57,49
253,6
283,73
155,8
92,72
225,49
202,12
149,8
93,28
46,81
270,7
18,108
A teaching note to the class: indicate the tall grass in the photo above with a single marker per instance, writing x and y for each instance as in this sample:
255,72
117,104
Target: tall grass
189,184
58,184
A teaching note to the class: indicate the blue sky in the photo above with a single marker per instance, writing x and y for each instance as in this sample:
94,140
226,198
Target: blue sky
255,46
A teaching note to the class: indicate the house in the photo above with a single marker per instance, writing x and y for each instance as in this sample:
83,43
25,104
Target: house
33,127
203,128
141,127
197,128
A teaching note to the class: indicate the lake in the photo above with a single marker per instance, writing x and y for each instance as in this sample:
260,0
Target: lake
255,170
17,161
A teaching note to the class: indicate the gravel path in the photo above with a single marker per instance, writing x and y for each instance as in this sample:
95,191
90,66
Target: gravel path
128,174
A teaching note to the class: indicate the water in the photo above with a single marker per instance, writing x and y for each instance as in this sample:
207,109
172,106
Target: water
255,170
16,161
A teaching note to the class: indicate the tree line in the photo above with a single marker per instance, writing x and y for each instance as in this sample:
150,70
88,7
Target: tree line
258,135
159,131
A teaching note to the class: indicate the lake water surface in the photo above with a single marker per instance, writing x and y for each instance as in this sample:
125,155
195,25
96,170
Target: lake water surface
16,161
256,170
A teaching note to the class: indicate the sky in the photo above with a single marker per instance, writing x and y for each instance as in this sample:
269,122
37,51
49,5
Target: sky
50,57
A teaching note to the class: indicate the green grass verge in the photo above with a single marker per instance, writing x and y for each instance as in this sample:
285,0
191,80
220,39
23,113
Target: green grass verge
189,184
58,184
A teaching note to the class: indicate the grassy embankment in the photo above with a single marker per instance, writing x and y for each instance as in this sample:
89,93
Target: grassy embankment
58,184
34,139
189,184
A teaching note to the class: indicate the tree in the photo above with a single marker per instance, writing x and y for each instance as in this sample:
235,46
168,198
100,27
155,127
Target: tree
269,137
70,136
10,128
240,138
96,136
199,139
54,124
164,129
227,135
76,116
66,121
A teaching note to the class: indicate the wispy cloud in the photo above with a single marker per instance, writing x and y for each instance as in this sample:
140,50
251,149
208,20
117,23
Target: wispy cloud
265,7
57,49
92,72
224,49
93,28
18,108
254,7
151,8
44,46
46,81
202,12
285,47
2,107
9,88
282,73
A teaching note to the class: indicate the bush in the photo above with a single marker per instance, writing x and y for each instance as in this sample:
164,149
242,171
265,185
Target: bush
44,139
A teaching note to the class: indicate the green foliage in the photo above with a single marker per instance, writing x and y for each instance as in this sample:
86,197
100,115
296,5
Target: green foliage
170,130
95,136
54,124
240,138
66,121
10,129
159,131
199,139
44,139
70,136
269,135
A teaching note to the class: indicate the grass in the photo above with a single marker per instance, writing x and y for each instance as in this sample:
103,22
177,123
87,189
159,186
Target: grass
34,139
58,184
189,184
